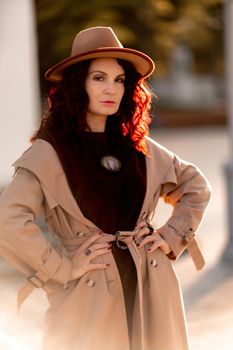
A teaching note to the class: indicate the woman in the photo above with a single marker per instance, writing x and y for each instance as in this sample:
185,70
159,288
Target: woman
97,179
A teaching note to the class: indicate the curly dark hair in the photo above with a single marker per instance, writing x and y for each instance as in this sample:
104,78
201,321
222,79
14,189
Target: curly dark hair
68,98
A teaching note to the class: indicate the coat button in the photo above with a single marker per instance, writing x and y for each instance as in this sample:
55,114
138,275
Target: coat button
90,283
153,263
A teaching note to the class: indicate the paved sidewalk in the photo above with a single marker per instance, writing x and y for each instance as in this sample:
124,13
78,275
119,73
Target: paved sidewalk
207,294
210,313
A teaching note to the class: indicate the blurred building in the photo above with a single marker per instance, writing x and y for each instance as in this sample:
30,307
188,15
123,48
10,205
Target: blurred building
185,98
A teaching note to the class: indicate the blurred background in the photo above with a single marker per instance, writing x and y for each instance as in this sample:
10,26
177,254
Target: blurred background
190,42
185,38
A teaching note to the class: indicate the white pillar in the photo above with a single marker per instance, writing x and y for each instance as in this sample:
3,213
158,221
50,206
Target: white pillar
19,87
228,15
228,20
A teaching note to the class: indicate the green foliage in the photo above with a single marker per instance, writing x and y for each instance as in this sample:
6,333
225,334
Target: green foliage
153,26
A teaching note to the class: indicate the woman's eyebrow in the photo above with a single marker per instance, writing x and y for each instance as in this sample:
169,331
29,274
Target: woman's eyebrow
99,71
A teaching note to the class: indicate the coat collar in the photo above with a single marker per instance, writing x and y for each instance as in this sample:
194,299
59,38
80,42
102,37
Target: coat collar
43,161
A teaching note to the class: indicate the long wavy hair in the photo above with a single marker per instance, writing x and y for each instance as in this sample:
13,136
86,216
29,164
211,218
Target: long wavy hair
68,103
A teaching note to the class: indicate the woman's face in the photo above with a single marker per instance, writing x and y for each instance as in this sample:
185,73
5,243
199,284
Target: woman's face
105,87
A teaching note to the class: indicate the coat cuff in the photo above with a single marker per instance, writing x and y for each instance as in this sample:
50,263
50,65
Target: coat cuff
177,234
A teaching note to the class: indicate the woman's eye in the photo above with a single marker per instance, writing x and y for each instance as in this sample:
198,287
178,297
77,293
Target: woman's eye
120,80
98,77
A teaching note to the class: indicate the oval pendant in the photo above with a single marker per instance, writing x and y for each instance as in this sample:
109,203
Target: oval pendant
111,163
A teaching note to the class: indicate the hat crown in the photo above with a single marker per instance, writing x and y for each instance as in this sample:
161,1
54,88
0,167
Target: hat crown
93,39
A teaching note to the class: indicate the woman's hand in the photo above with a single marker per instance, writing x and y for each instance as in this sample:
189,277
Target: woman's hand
153,239
88,251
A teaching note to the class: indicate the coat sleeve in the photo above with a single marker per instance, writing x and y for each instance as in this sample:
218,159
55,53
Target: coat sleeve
189,197
22,243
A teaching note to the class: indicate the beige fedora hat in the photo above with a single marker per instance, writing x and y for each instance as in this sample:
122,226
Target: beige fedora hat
99,42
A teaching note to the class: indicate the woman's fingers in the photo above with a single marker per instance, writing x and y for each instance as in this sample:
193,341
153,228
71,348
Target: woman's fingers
148,239
89,242
162,245
142,228
92,267
156,242
95,246
78,272
82,262
142,232
91,252
98,252
97,249
141,224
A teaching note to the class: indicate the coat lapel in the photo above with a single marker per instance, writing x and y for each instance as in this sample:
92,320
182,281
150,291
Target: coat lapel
43,161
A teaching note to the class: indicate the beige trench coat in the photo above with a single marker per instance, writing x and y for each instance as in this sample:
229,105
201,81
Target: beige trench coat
89,313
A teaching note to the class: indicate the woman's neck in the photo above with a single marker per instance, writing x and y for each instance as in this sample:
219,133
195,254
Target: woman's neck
96,124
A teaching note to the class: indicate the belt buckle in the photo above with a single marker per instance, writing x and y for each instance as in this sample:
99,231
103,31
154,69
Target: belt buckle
186,238
35,281
120,245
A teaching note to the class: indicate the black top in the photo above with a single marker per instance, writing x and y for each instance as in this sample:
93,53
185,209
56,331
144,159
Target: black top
112,200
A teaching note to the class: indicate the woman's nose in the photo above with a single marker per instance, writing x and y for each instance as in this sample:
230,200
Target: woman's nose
109,88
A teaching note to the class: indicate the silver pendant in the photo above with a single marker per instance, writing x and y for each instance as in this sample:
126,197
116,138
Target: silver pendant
111,163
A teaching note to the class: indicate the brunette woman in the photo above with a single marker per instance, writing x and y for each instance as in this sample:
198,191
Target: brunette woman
97,177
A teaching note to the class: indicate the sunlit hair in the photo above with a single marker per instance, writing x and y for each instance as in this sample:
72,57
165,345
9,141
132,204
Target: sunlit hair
68,102
134,107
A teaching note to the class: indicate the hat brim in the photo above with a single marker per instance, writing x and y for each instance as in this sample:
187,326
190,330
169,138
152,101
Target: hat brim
143,63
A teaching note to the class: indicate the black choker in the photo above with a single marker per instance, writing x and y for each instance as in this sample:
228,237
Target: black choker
111,163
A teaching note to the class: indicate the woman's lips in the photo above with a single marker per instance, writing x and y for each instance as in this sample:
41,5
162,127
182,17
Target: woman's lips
108,103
